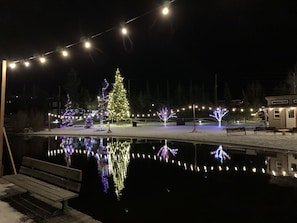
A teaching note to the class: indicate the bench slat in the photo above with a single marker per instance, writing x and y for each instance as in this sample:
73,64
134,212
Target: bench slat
63,171
41,188
50,178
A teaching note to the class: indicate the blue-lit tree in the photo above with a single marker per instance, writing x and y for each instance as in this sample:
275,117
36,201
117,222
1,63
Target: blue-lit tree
218,114
165,114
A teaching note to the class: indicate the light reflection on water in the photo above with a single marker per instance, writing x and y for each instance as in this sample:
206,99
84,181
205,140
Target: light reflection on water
142,180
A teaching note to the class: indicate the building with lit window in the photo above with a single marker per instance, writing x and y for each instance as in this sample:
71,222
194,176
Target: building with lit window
281,111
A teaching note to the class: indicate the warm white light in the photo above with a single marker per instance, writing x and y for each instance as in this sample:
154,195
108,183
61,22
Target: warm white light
64,53
42,59
27,64
87,44
165,11
12,65
124,31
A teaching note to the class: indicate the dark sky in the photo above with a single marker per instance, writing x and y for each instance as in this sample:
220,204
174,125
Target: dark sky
239,40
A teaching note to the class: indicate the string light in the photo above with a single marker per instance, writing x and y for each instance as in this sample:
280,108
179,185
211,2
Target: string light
87,44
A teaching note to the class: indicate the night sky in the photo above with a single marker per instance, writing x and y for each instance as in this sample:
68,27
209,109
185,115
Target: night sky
239,40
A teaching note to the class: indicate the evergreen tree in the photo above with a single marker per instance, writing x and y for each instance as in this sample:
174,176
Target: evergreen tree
118,105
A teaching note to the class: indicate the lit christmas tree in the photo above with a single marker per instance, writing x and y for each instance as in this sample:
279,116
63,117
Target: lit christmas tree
164,114
118,104
219,114
68,116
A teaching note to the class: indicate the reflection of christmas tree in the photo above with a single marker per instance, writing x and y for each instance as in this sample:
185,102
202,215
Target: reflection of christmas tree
102,165
67,144
89,143
220,154
119,158
68,116
165,151
164,114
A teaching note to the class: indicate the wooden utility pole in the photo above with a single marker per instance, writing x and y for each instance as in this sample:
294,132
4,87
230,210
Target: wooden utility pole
2,113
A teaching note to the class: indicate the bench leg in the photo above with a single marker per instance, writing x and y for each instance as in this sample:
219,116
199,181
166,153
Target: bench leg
65,206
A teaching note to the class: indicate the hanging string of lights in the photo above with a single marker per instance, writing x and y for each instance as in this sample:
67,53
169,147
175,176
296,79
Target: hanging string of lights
64,51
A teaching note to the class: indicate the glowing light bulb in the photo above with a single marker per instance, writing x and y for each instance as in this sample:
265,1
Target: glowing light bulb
165,11
87,45
124,31
42,60
64,53
12,65
27,64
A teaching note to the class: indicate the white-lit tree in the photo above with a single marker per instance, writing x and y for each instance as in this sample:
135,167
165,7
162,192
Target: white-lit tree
102,103
165,114
118,105
68,116
218,114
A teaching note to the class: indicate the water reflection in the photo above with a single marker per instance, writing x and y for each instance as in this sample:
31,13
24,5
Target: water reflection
165,151
125,178
220,154
113,157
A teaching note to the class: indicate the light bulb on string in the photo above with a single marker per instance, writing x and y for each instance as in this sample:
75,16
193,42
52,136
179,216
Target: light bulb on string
64,53
42,60
124,31
12,65
26,64
87,44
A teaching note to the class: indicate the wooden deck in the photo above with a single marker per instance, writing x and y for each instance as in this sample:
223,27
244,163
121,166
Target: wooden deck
40,210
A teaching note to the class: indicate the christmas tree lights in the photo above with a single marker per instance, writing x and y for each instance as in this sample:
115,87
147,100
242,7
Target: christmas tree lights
118,105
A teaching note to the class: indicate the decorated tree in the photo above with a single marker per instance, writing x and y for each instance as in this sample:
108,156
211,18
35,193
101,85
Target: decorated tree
102,103
218,114
68,116
165,114
118,104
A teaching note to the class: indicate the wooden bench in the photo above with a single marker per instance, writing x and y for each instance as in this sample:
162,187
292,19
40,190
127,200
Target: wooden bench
264,128
236,129
51,181
283,131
